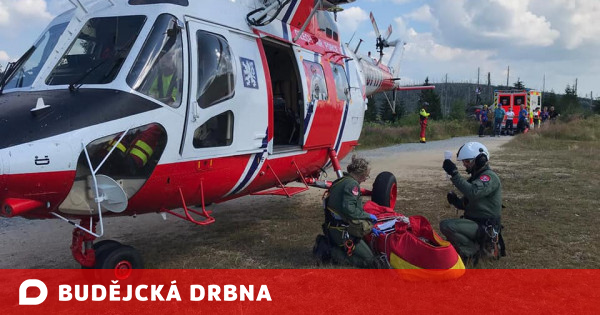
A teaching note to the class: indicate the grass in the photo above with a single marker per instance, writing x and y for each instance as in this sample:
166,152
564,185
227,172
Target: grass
550,178
408,130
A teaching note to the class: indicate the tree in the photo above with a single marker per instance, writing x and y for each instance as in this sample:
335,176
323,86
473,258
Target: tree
457,110
569,103
371,114
431,97
549,99
519,85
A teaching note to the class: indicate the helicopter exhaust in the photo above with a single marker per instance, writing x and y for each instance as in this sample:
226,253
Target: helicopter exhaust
13,207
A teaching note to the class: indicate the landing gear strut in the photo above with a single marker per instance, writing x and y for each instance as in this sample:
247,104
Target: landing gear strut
106,254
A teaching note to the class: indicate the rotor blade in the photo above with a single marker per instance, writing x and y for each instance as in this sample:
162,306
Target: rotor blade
375,26
389,32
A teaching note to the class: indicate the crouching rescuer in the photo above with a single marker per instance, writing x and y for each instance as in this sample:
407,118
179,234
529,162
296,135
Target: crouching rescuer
477,233
345,220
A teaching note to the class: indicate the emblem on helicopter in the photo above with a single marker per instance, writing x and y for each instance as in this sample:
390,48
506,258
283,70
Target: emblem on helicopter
249,73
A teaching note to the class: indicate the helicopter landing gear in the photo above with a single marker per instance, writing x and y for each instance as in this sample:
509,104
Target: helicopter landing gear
106,254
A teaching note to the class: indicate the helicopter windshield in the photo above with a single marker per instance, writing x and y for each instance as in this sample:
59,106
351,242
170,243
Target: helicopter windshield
30,68
98,52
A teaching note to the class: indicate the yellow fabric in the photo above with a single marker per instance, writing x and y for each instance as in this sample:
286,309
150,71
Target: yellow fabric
424,113
144,146
120,146
411,272
166,82
140,155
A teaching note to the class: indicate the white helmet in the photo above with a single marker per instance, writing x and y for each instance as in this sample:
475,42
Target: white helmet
471,150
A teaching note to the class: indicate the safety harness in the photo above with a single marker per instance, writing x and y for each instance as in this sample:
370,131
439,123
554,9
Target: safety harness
489,235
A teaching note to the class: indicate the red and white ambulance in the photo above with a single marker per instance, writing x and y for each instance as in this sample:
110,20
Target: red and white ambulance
514,98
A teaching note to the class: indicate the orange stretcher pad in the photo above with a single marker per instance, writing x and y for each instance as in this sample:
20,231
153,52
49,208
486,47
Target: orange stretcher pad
412,246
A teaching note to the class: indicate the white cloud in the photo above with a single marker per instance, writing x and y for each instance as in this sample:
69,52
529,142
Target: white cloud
492,23
32,9
349,19
4,56
422,14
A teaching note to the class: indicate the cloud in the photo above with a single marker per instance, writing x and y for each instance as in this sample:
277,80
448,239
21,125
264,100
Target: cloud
4,56
422,14
22,12
350,19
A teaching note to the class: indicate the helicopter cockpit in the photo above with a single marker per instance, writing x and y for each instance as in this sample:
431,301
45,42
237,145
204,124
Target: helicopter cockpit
96,55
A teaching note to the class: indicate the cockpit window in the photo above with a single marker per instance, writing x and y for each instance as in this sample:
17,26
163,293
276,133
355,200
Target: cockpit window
216,76
327,25
98,52
26,74
158,70
341,82
178,2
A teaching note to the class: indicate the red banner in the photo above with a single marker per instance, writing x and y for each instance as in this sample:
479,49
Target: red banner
299,292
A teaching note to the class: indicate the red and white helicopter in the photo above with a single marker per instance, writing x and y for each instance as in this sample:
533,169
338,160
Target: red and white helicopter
125,107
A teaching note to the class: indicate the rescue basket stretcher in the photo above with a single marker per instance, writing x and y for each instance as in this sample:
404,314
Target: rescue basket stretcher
412,246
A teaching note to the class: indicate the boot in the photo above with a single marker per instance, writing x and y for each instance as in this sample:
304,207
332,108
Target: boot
322,250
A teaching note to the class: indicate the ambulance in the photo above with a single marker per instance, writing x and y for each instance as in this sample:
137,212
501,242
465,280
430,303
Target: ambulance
507,98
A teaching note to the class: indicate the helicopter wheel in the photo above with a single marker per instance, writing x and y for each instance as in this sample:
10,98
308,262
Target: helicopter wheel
385,190
101,247
121,259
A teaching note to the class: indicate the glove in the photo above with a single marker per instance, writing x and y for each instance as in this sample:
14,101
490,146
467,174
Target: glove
373,218
452,198
376,231
449,167
480,161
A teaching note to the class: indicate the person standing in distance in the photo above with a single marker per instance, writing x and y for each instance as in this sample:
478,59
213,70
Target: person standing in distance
423,116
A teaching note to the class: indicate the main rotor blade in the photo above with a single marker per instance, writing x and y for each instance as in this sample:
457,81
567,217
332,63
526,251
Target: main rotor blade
389,32
375,26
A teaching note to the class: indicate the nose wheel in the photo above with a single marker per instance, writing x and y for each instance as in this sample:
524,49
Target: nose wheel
122,259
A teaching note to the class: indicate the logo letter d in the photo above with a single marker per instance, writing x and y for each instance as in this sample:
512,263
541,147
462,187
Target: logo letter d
24,300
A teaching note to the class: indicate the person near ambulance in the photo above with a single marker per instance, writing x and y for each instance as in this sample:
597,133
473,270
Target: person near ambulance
537,117
423,116
523,122
545,115
499,114
345,220
481,201
510,116
484,121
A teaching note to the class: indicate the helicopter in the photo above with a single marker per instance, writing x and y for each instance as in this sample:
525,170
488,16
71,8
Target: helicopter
128,107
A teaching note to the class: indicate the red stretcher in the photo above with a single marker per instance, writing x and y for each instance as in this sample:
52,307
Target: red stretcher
412,246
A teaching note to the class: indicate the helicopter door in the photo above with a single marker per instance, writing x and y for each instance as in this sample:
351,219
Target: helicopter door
227,112
288,96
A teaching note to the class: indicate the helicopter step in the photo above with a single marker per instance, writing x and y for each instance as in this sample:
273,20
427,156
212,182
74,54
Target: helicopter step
282,190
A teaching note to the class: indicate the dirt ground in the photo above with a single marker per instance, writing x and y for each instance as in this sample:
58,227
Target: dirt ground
250,232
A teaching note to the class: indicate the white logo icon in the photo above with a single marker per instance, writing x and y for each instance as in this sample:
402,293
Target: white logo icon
24,300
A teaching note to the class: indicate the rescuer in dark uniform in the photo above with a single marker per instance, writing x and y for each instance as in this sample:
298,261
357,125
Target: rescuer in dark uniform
482,202
345,220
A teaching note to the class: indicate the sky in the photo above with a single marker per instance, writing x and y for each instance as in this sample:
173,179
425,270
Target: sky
555,38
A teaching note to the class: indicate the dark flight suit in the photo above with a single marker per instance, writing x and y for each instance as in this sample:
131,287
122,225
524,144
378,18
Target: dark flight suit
344,204
482,201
